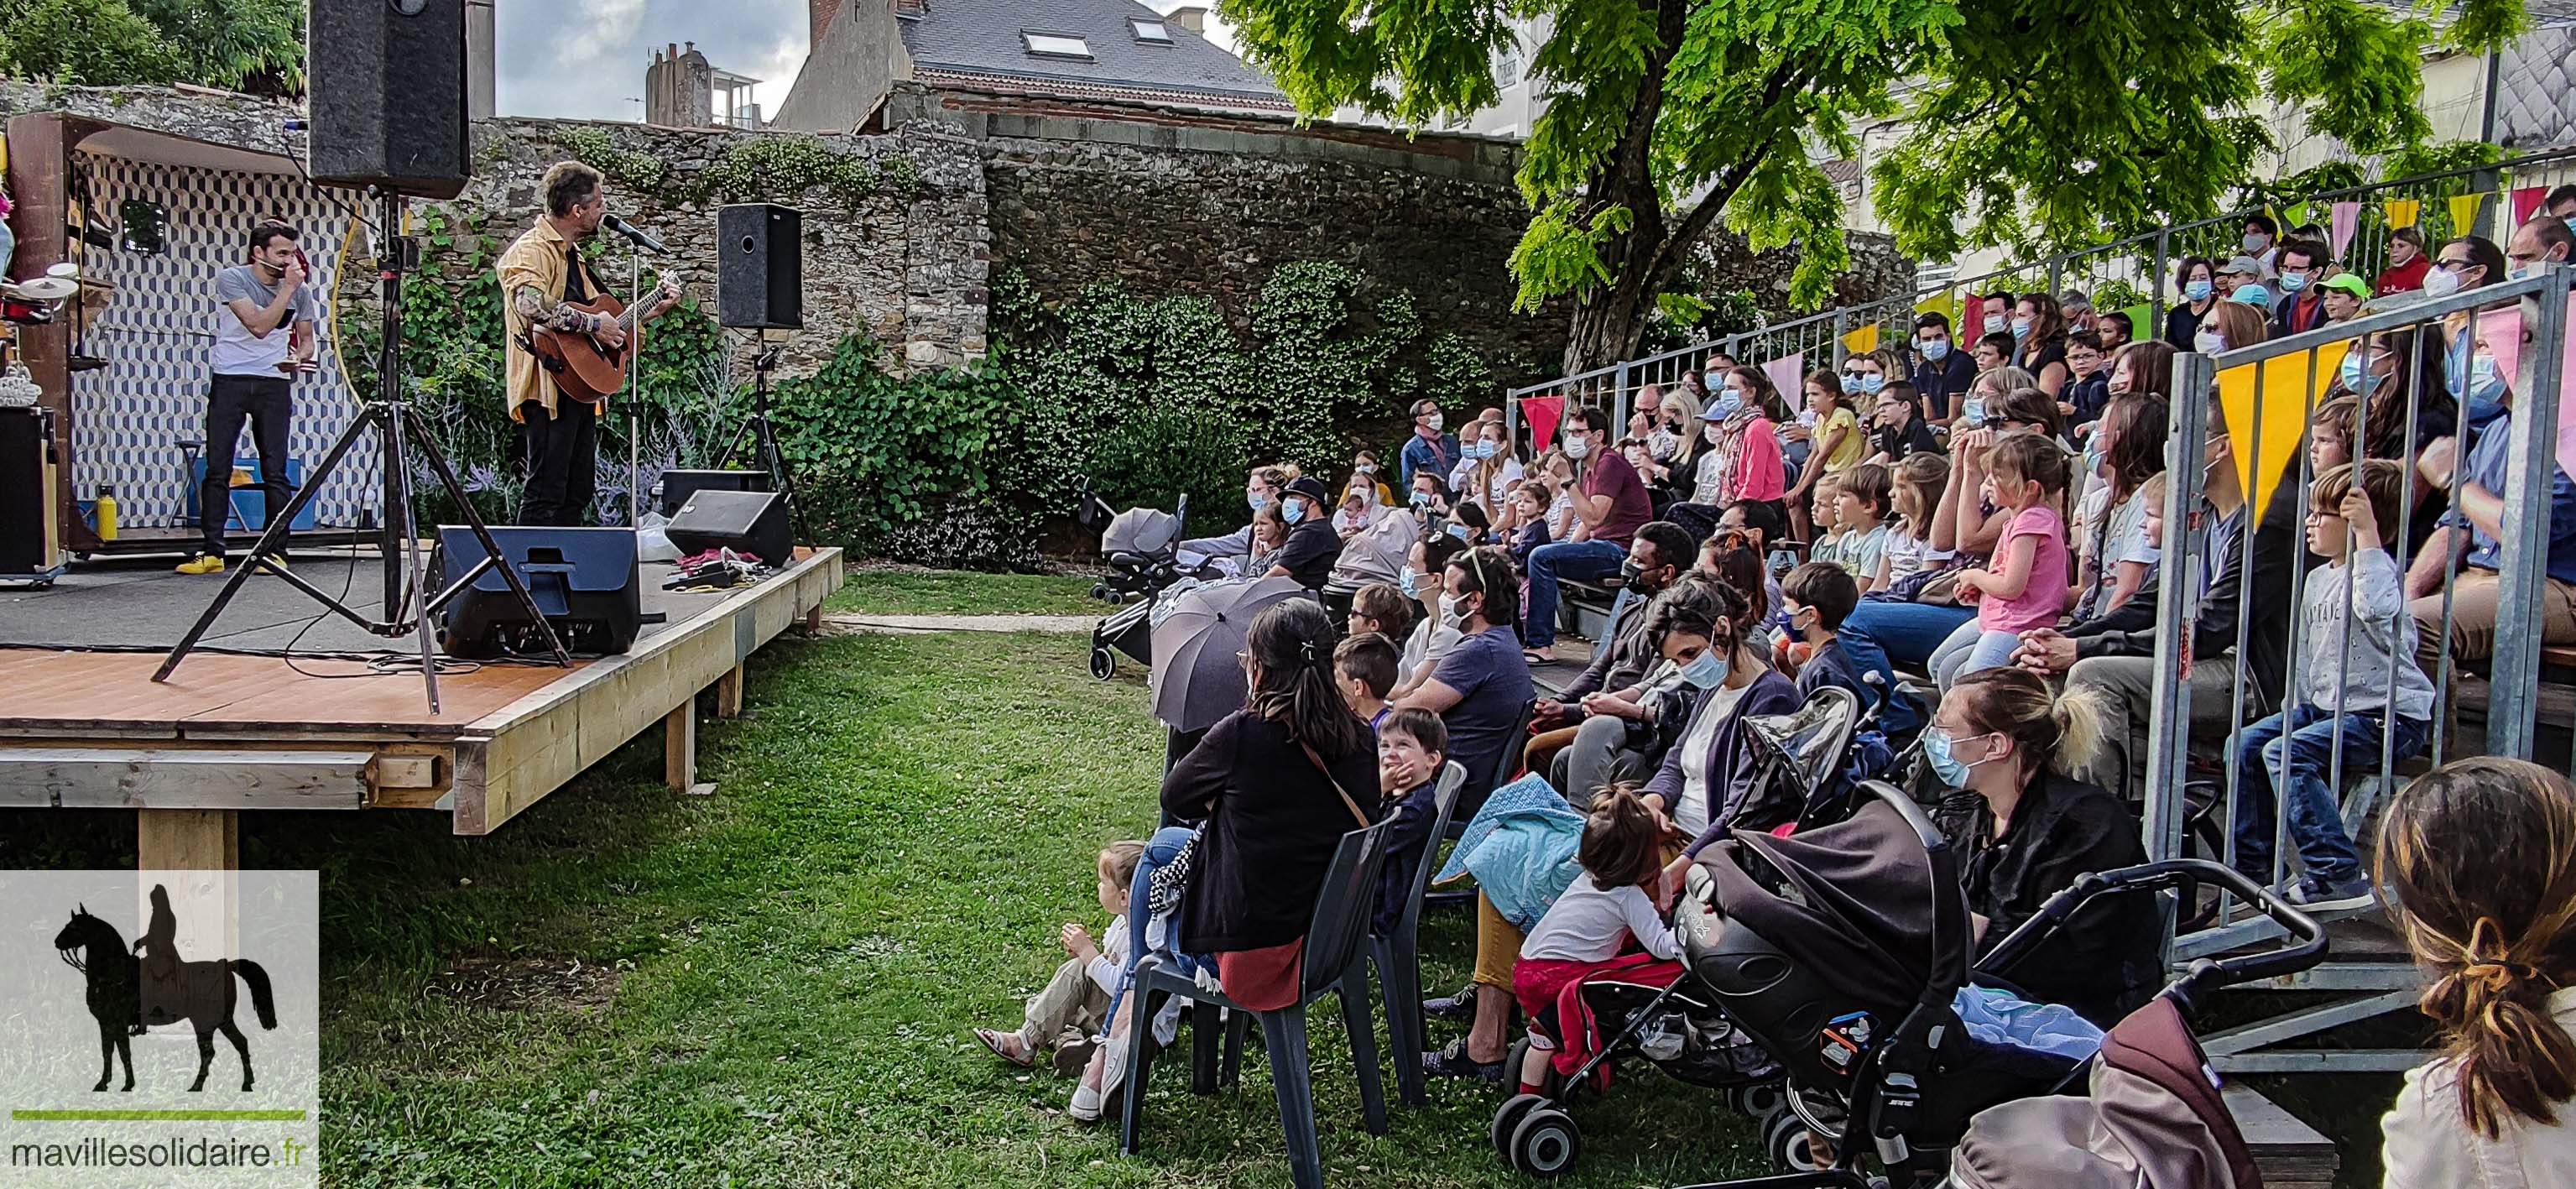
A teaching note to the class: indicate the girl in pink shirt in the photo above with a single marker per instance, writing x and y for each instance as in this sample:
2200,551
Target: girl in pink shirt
2026,584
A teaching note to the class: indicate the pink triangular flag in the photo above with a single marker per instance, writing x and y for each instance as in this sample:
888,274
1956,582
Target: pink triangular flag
2526,203
1786,374
2500,336
2342,220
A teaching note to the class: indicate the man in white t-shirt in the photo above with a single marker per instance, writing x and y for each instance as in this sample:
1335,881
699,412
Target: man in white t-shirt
263,334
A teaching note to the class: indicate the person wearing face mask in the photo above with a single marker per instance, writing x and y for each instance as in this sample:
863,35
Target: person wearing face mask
2231,324
1707,779
2536,245
2025,828
2039,341
2261,237
1610,505
2302,304
1432,636
2408,264
1941,371
2474,532
2245,586
1483,685
1429,449
1583,731
1312,546
2469,262
2197,279
1232,552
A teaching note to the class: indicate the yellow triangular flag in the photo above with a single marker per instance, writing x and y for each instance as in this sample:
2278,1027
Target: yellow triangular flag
2402,212
2266,439
1942,303
2464,212
1862,340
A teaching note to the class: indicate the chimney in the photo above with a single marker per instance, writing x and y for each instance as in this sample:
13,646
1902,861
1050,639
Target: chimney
818,18
480,81
911,8
1192,17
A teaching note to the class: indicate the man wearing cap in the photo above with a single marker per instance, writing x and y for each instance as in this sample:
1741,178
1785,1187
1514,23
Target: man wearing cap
2239,270
1312,546
2343,294
2303,304
2252,294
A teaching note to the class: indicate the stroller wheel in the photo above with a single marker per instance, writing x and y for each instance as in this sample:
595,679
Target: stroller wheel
1103,663
1507,1119
1760,1101
1100,591
1787,1139
1546,1143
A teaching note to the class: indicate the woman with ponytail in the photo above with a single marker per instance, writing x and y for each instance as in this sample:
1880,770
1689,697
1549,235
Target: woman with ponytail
2478,861
1278,784
2026,828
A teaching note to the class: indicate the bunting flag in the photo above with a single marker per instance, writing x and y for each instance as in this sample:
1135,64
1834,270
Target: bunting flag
2141,316
1787,374
2500,334
1543,413
1943,303
2276,422
2295,215
2464,212
1861,340
2526,203
2343,219
2402,212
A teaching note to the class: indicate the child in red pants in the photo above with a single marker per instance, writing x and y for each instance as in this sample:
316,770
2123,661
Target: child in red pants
1603,917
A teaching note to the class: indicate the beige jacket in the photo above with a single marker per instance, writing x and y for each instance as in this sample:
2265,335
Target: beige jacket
2425,1144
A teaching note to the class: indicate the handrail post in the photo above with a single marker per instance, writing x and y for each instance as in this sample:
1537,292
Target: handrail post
1842,326
2178,606
2524,564
2155,327
2056,274
1619,396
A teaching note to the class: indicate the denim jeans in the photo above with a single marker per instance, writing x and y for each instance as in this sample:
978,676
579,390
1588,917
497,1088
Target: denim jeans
1577,560
1909,633
2303,739
1971,649
1160,850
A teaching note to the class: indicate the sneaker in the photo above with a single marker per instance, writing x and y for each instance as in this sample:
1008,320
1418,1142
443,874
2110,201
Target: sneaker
2319,896
1085,1107
1461,1006
275,561
203,563
1453,1062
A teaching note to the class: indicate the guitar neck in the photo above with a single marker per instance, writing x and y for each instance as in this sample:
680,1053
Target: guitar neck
627,320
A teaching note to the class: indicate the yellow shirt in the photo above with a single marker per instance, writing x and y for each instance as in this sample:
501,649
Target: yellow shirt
1854,445
535,258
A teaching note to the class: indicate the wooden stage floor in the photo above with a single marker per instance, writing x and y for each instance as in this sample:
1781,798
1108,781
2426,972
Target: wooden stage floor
84,726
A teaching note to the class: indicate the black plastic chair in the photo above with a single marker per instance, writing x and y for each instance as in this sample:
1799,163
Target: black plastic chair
1398,957
1334,962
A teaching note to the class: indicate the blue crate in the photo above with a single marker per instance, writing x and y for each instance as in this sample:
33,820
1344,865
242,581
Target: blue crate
250,504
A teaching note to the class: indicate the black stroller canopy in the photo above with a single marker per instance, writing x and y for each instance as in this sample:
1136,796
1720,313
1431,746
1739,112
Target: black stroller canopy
1853,900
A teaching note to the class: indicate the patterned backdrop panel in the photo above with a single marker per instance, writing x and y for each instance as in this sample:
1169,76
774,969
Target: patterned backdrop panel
131,415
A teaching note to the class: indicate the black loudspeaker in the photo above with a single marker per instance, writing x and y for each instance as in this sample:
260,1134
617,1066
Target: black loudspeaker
584,579
30,546
760,269
677,485
753,522
385,81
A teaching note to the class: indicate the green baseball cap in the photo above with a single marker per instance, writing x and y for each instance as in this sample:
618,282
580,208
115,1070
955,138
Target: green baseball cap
2350,283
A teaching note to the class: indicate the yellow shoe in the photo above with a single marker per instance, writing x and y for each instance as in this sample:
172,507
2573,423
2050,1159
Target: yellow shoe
276,562
203,563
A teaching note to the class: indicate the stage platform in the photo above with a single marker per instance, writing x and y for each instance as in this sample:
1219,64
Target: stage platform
83,726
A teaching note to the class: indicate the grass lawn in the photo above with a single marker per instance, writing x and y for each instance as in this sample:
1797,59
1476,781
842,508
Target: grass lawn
886,590
773,986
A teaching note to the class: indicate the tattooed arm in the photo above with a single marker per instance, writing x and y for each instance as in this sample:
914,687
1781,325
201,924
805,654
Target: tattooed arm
554,315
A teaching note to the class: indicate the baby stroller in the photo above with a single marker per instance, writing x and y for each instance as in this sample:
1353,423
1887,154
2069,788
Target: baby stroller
1841,950
1142,547
1808,762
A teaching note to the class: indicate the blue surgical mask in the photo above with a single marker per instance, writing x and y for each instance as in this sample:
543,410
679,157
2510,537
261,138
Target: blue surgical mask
2351,371
2485,397
1851,382
1409,580
1974,410
1292,511
1462,532
1728,405
2197,291
1994,323
1708,672
1421,499
1934,350
1256,499
2292,282
1952,770
2021,328
1870,383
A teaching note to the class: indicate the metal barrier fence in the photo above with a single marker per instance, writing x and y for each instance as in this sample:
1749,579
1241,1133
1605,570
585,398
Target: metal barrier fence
2476,200
2270,390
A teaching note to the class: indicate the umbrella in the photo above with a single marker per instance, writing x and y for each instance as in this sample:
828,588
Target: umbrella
1379,552
1197,679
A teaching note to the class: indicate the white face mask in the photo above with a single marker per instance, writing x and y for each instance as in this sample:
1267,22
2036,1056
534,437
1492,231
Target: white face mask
1712,432
2208,342
1576,446
2441,282
1432,422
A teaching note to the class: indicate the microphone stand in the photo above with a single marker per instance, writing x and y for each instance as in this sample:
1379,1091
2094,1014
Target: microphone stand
634,392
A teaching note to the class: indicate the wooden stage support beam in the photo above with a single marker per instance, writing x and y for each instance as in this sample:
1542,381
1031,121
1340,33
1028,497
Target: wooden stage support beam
187,839
729,693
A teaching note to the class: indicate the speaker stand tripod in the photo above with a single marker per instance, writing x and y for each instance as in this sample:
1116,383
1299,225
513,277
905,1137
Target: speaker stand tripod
764,437
408,606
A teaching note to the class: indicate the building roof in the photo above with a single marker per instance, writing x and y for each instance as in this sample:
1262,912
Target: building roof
1005,41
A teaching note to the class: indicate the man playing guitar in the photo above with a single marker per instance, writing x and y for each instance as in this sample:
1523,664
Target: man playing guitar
544,277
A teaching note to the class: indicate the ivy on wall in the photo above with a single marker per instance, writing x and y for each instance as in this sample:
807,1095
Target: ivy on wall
752,168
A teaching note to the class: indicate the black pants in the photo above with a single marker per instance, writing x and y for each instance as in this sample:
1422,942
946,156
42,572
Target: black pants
263,401
563,461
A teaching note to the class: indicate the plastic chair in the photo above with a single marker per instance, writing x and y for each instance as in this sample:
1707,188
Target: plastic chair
1398,957
1335,962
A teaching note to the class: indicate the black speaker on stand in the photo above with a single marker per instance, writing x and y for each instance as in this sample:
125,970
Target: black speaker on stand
386,88
760,286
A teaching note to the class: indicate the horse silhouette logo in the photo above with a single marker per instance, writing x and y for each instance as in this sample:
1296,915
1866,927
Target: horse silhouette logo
128,994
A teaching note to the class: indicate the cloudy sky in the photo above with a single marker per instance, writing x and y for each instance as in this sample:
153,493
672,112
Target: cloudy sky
585,59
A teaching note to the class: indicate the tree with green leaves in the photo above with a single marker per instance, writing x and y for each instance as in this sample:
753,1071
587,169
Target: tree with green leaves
242,45
2044,123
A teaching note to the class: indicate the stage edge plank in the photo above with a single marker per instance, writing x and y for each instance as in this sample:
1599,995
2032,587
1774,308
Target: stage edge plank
515,756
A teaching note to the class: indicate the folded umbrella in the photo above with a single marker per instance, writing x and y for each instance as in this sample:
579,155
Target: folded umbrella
1197,678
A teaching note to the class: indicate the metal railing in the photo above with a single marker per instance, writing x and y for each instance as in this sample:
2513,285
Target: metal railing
2299,369
2144,264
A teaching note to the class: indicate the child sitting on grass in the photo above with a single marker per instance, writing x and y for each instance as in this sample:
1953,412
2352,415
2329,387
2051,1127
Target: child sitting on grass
2356,635
1364,670
1605,911
1075,1003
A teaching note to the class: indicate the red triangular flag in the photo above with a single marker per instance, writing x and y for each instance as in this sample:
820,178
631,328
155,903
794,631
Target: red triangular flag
1543,414
2526,203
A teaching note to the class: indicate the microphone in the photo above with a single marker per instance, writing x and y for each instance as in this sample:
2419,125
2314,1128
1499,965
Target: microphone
642,238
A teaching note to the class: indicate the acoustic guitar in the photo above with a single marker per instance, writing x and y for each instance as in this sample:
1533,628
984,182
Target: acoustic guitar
585,370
